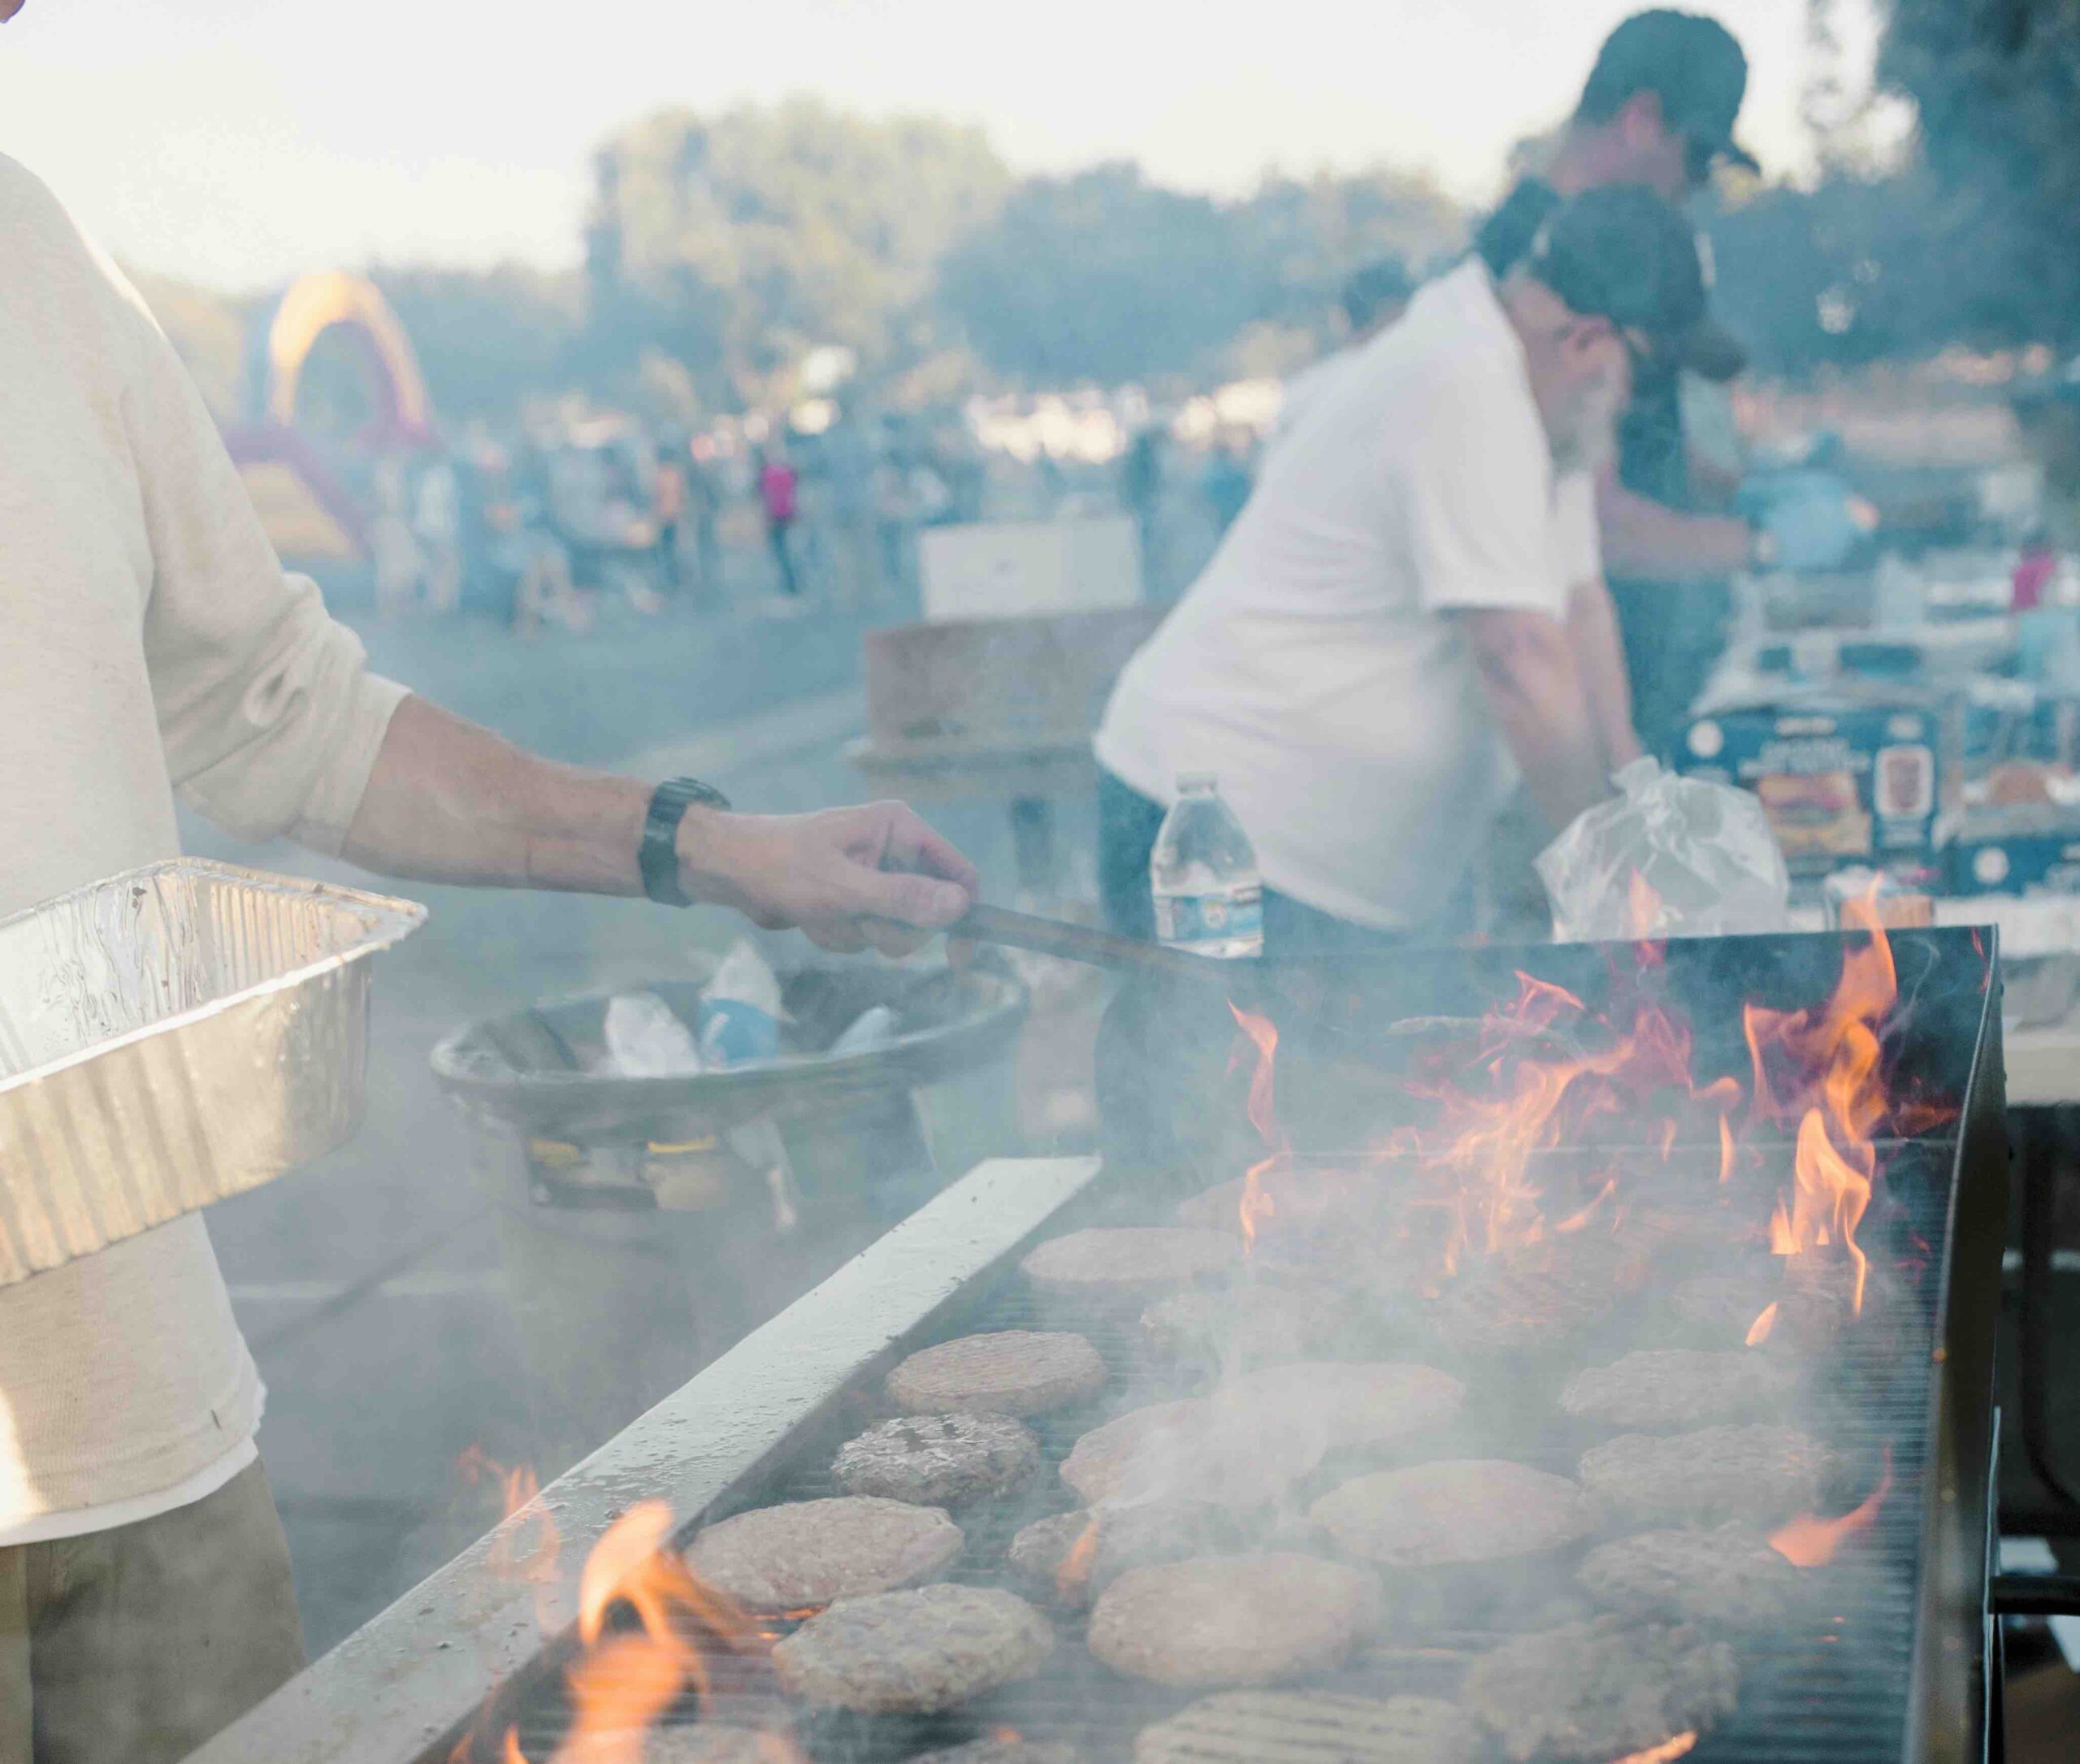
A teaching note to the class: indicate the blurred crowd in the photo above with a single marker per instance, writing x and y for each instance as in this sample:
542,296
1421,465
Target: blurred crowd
554,523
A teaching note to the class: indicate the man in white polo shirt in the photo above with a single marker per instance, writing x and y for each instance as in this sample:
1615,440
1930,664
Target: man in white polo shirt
1410,615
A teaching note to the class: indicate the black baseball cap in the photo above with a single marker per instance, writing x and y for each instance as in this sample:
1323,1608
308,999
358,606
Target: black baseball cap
1619,252
1694,65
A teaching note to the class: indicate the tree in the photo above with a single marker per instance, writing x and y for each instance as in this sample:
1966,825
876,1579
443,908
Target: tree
736,243
1104,277
1997,84
485,339
1101,275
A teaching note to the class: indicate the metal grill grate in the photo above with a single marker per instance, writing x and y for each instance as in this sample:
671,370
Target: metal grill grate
1830,1688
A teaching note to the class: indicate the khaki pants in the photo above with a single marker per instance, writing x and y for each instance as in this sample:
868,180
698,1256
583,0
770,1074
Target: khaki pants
138,1643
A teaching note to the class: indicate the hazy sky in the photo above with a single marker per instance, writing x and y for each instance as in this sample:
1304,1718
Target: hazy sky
235,141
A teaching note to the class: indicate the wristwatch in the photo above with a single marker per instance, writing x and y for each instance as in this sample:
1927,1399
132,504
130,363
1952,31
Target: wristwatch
658,856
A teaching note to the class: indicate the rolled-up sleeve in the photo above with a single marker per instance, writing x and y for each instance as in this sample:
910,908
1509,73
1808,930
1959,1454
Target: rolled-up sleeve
270,716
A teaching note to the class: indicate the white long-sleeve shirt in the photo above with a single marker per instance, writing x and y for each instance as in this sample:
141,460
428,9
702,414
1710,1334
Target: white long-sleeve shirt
149,644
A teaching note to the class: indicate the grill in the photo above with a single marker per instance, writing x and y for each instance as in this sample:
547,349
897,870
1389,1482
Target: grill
1891,1662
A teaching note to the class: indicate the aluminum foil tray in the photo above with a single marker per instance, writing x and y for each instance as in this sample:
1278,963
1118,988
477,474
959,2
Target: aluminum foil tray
171,1036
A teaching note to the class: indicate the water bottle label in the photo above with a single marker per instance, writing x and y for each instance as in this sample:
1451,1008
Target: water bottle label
1189,919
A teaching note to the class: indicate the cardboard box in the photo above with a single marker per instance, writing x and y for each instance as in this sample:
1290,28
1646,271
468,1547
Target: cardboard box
2032,850
1844,782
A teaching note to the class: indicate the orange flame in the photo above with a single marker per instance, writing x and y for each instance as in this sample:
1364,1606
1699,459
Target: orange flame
1073,1576
1758,1331
625,1681
1829,1196
513,1754
517,1490
1575,1220
1642,909
1666,1753
1726,1150
1809,1540
1256,1204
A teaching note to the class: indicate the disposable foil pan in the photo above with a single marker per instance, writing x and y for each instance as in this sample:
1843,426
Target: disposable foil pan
171,1036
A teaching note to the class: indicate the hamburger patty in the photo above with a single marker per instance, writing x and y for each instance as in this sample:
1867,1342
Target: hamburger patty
1018,1371
938,1460
1124,1537
1755,1472
1098,1462
1538,1308
1223,1620
781,1558
1722,1307
1128,1266
711,1743
1729,1576
1661,1389
1464,1511
1253,1326
1586,1693
1243,1446
1312,1727
914,1652
1005,1751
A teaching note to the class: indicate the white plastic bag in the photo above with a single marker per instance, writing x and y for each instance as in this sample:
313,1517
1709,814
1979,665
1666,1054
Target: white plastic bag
646,1040
740,1009
1667,856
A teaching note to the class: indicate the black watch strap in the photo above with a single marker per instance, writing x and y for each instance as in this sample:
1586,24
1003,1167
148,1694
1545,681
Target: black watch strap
658,856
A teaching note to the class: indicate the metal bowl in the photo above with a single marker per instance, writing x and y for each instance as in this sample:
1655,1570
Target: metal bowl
529,1071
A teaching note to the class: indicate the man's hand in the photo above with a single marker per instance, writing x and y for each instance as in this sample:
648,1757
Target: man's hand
848,877
450,802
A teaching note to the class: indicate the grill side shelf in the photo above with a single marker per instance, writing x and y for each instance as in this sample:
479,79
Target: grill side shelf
403,1685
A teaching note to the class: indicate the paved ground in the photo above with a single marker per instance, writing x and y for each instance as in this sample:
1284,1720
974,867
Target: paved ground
373,1286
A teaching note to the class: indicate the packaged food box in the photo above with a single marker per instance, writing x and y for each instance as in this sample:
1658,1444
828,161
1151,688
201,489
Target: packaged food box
1844,781
2020,849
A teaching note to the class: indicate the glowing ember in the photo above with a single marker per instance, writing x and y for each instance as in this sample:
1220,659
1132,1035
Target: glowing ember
1809,1540
1666,1753
1758,1331
1073,1576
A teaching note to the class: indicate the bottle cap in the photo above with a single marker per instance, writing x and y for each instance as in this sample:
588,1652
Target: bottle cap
1195,783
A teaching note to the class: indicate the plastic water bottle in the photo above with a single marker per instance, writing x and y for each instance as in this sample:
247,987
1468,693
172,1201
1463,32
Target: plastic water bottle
1202,873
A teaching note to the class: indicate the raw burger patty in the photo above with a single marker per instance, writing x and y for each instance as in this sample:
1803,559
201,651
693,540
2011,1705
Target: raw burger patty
1260,1432
781,1558
1250,1326
938,1460
1222,1620
1001,1751
1020,1371
1129,1265
1310,1727
1755,1472
1525,1309
1470,1509
1660,1389
710,1743
1729,1576
1588,1693
915,1652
